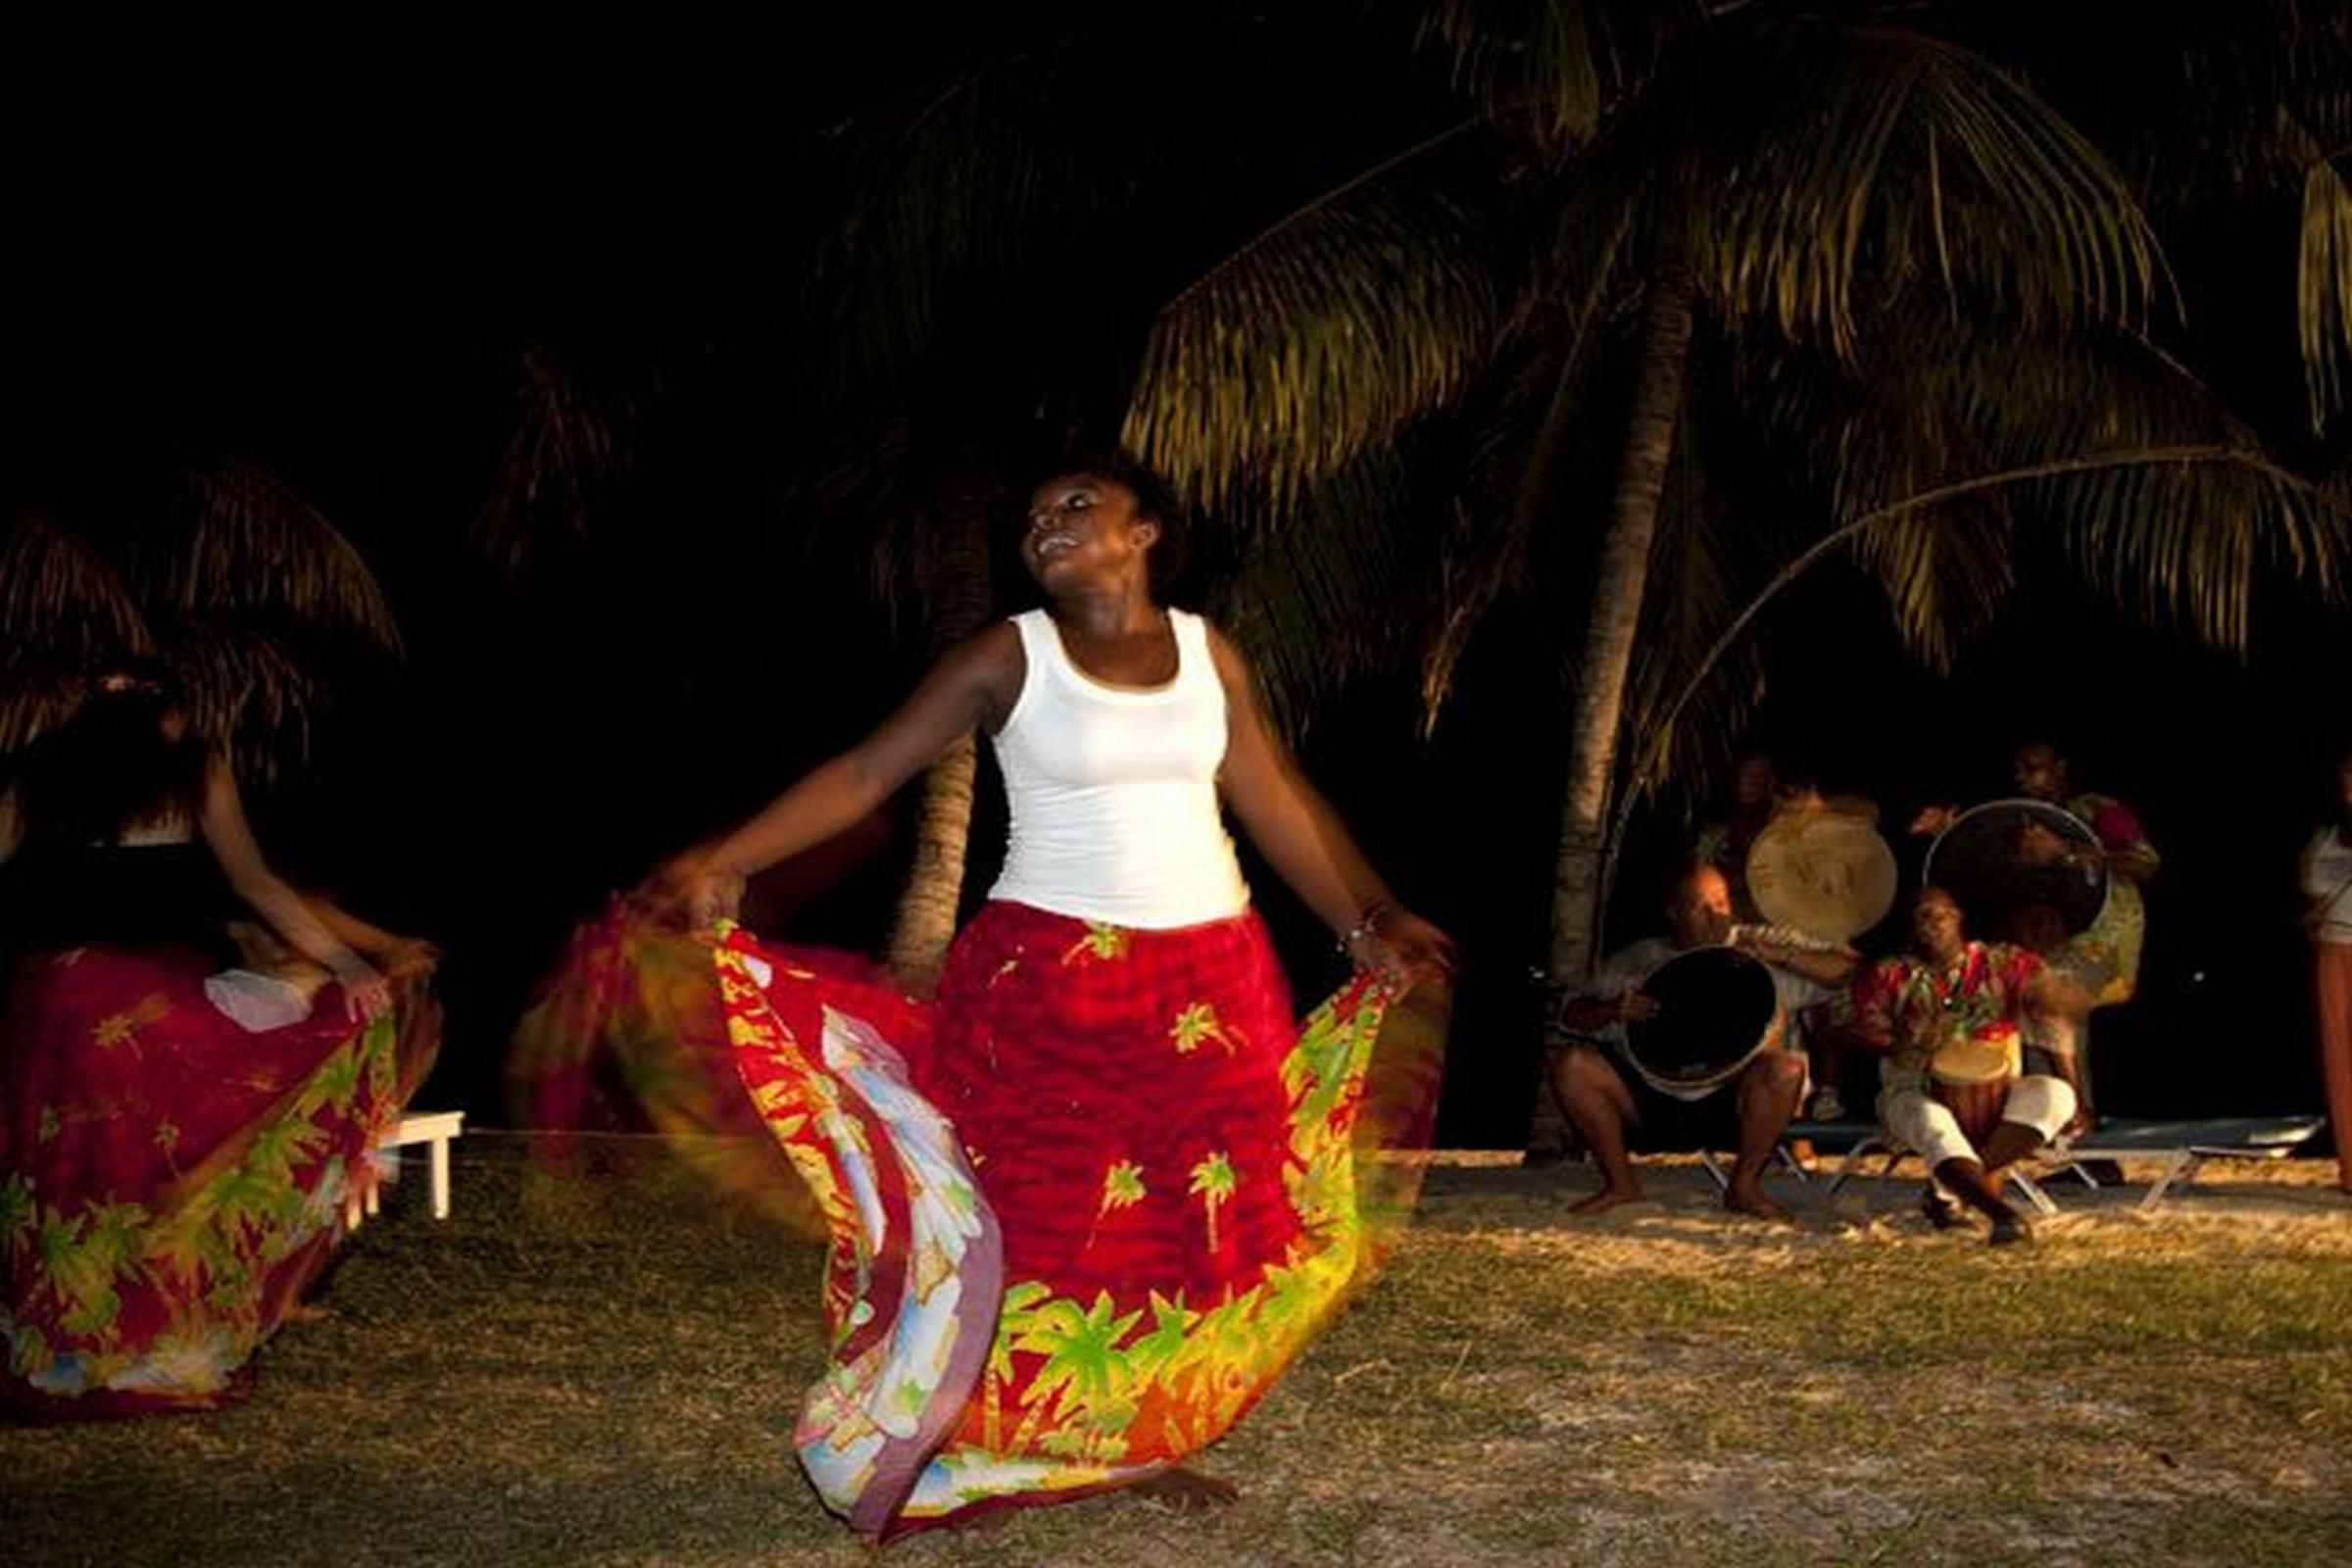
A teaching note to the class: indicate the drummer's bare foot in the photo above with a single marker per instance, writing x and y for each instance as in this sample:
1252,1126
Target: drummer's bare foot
1751,1199
1942,1214
1606,1198
1188,1491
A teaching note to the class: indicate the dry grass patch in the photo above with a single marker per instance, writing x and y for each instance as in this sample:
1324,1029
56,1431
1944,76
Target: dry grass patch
603,1373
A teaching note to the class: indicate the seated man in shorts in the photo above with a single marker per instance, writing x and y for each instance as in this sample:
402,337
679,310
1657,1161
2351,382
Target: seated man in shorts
1953,1025
1606,1100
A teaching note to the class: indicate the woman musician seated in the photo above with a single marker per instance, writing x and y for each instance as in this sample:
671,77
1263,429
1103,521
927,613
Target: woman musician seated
1953,1025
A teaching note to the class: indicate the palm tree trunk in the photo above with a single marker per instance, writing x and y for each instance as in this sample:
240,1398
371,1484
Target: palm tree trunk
926,922
957,587
1624,566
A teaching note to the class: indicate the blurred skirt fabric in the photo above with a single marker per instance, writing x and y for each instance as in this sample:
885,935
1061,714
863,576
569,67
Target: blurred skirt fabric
1081,1210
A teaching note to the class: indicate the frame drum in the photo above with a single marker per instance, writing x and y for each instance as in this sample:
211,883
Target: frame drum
2024,871
1826,873
1717,1008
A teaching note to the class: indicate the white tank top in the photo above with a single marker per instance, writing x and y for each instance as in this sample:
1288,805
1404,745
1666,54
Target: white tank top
1113,791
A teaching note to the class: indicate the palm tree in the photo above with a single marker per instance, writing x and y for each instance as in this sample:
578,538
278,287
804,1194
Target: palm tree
1213,1182
1699,202
247,590
926,519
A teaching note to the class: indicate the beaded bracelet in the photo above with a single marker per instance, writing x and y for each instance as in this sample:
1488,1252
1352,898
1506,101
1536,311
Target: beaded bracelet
1364,927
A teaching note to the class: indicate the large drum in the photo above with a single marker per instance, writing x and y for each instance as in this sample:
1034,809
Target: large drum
1717,1008
1972,1076
2033,874
1826,873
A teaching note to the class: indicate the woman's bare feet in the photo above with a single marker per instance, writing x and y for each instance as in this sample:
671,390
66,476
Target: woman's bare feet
1752,1200
1188,1491
1606,1198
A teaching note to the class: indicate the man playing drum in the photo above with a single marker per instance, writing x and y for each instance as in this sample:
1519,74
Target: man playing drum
2092,968
1604,1102
1952,1026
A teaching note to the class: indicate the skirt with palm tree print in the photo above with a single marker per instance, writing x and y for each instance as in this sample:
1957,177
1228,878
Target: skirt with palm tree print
170,1181
1085,1207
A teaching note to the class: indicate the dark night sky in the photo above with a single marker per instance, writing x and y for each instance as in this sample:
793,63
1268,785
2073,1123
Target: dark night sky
328,264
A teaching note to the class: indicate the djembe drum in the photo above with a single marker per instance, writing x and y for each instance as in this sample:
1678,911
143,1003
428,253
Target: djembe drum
1972,1077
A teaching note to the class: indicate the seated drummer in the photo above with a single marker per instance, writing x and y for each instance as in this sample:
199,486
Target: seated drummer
1960,1015
1604,1102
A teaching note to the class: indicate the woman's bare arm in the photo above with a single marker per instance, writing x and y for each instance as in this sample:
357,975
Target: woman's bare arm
12,824
1300,836
397,956
975,684
221,819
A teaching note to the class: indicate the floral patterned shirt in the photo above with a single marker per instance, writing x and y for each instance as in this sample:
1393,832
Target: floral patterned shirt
1977,1000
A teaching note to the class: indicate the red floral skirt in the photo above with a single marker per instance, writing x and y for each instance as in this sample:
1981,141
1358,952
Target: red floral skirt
1083,1208
170,1182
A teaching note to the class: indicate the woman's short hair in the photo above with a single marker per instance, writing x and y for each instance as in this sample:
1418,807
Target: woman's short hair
1154,498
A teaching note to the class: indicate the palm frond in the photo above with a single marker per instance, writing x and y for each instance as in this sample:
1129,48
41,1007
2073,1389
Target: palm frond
1555,67
1329,332
566,454
62,605
2198,103
916,520
247,689
2324,290
2184,541
2324,509
62,609
1845,165
1946,572
2191,543
249,548
1521,454
948,191
1328,588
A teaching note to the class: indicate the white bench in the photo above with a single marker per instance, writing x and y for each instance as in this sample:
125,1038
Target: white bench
434,1129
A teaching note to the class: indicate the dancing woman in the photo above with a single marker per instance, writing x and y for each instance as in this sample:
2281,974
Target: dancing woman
1090,1202
170,1178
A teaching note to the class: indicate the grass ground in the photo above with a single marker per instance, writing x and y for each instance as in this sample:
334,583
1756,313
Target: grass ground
603,1373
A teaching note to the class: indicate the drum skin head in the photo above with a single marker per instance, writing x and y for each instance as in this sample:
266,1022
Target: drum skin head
1716,1008
1826,873
1962,1058
2024,871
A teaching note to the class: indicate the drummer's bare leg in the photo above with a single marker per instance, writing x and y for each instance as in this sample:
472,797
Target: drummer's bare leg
1768,1090
1601,1107
1967,1180
2008,1143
